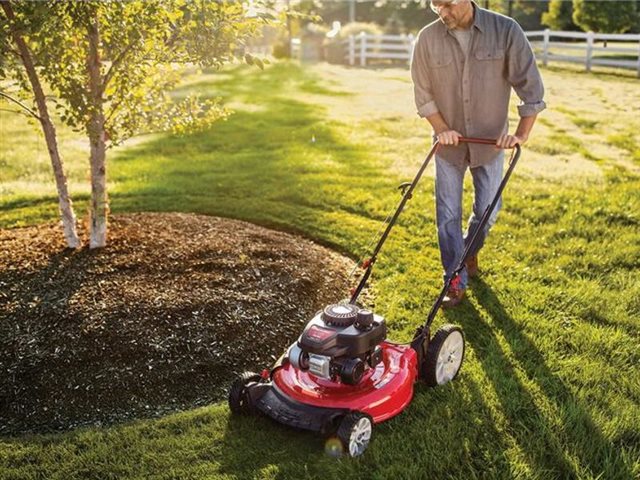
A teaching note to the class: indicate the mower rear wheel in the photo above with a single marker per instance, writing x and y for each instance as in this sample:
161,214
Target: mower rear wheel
239,400
355,433
444,356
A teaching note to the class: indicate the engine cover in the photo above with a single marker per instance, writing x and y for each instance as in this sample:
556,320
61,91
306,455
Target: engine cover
336,332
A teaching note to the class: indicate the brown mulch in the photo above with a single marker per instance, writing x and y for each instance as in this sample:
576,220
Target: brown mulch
160,320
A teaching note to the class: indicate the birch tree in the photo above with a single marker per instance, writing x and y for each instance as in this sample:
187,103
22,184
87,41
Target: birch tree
113,64
17,63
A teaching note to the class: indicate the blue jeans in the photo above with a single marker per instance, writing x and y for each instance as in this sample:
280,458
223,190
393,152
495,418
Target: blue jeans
449,183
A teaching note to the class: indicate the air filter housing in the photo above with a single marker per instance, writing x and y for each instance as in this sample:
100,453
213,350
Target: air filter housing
340,315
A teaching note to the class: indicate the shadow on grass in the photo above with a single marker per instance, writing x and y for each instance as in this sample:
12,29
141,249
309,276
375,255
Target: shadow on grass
280,164
439,433
545,449
429,436
26,202
277,161
251,446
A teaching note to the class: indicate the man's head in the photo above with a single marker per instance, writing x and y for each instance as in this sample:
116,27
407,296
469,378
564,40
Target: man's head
454,13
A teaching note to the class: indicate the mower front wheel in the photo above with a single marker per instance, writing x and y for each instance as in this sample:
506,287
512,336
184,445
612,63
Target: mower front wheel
444,356
239,400
355,433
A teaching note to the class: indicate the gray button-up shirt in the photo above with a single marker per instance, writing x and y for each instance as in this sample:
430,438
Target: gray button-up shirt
472,91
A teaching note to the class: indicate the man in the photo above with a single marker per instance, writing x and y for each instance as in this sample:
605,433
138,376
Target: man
464,66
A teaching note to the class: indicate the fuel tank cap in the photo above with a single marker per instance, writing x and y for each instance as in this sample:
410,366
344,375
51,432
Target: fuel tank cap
364,320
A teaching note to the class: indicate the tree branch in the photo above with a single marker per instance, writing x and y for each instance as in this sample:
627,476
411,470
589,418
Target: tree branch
114,65
114,108
15,52
20,104
175,34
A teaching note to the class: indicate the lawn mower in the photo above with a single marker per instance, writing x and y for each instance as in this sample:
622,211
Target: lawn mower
342,375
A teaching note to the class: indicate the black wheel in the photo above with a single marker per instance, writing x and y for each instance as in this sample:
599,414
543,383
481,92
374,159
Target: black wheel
355,433
444,356
239,401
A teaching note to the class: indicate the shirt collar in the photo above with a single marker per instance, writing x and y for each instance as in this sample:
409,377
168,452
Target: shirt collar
479,17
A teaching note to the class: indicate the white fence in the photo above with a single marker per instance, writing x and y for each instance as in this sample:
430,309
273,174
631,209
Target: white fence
590,53
363,47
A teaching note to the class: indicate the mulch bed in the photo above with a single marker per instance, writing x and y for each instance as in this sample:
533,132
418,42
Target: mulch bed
160,320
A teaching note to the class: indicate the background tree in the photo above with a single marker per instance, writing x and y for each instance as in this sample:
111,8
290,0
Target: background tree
410,15
21,80
636,27
559,15
604,16
528,13
113,64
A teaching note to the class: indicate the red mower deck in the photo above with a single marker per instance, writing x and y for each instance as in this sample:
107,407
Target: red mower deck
383,392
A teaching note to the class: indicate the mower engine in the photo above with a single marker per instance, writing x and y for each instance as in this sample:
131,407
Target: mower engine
340,342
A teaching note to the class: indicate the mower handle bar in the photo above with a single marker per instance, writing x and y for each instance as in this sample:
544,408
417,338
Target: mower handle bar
406,196
483,141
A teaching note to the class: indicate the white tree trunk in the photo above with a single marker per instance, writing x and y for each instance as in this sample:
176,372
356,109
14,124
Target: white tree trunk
64,200
99,198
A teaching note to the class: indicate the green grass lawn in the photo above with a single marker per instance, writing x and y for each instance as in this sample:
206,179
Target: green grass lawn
551,383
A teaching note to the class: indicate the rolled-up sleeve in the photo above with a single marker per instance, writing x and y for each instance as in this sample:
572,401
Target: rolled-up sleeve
425,103
523,74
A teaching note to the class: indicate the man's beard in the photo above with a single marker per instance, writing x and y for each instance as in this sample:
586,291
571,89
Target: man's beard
449,22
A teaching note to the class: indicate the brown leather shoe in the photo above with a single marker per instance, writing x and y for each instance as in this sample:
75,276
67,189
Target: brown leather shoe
472,266
453,297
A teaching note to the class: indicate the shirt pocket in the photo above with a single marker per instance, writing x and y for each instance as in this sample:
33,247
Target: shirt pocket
489,64
489,54
441,72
